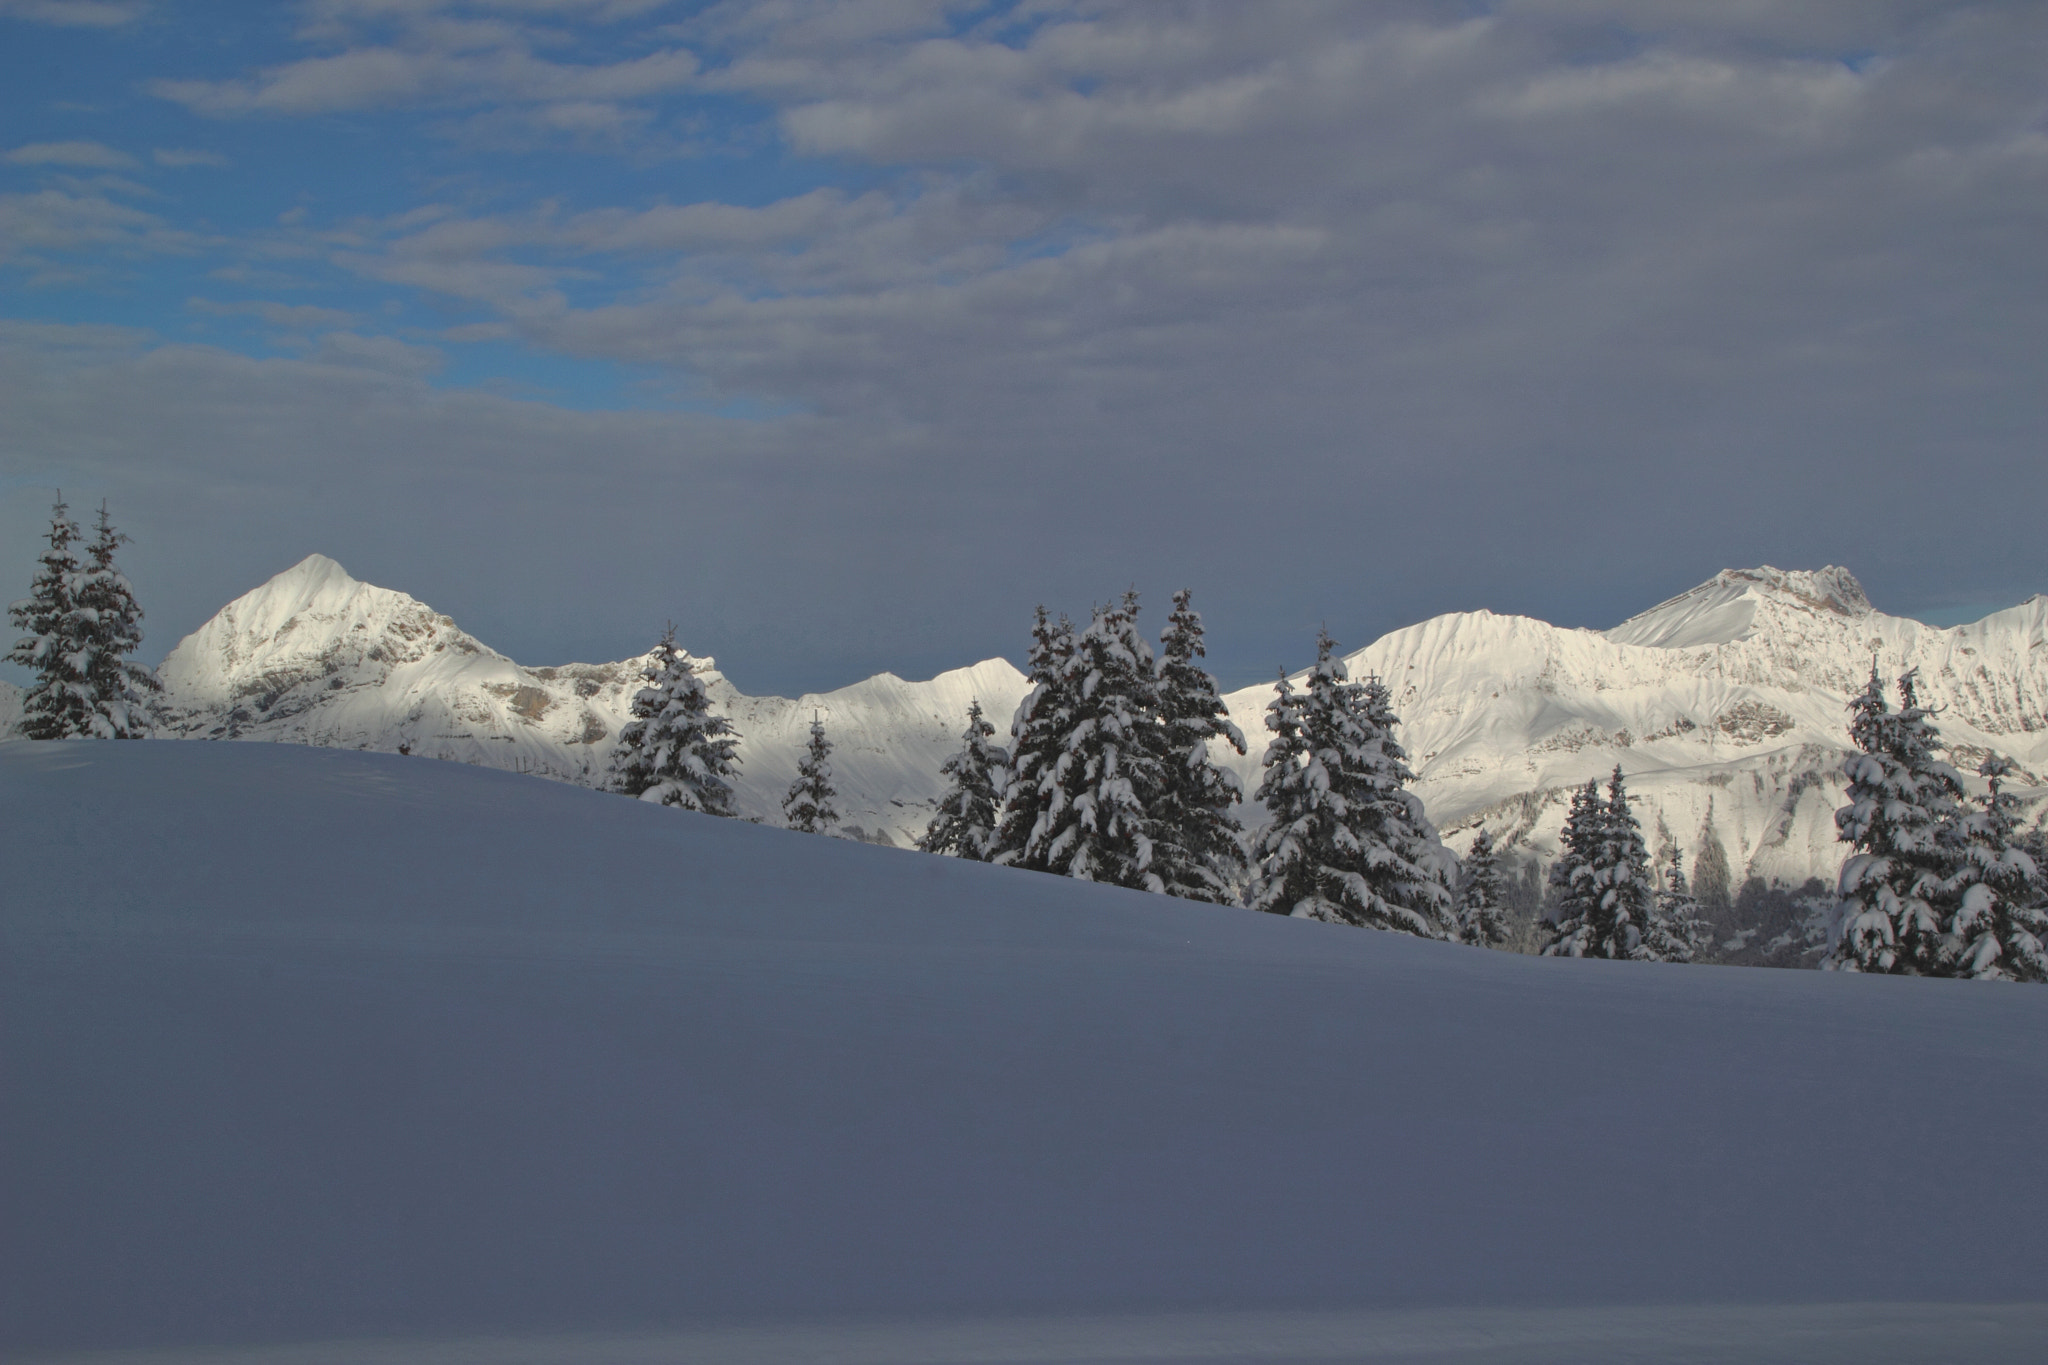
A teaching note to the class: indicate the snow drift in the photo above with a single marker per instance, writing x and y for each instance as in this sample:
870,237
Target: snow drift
307,1047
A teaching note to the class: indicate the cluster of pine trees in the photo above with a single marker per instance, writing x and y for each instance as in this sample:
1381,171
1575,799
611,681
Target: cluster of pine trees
1939,884
78,625
1108,778
1605,902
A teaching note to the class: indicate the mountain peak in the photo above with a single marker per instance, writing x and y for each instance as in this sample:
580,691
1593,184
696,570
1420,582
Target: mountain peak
1723,609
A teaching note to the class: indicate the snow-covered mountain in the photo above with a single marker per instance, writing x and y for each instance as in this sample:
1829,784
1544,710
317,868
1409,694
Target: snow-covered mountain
1725,707
315,657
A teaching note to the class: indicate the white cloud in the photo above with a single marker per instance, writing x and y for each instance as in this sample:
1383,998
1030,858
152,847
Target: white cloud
89,155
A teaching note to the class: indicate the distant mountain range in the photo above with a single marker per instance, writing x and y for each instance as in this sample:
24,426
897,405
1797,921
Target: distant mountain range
1725,708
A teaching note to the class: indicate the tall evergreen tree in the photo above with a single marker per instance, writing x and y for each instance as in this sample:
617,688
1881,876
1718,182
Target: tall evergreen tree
1348,843
676,750
2000,926
965,823
1097,793
1901,818
111,630
1406,863
1037,739
1199,852
1628,893
1482,899
1676,931
54,641
808,806
1574,889
1285,865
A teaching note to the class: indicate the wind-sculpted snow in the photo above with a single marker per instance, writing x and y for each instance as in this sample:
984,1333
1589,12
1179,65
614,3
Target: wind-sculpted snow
315,657
322,1056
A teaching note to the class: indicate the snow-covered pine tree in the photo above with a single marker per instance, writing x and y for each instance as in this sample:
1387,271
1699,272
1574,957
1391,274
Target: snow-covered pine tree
111,630
1482,900
1096,821
1901,819
2000,927
965,824
1676,932
1199,852
1349,843
53,643
1406,862
676,750
1284,870
1628,893
808,806
1037,736
1575,898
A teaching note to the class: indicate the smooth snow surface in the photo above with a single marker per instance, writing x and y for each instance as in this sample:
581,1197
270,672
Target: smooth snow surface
425,1062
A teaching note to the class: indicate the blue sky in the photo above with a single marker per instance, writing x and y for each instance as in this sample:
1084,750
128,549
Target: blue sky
843,333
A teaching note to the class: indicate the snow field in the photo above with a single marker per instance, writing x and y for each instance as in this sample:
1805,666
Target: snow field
305,1047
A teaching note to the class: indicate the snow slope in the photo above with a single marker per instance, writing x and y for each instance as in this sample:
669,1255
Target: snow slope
315,657
1725,707
308,1047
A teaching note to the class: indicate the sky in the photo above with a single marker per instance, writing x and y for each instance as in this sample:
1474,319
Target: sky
841,334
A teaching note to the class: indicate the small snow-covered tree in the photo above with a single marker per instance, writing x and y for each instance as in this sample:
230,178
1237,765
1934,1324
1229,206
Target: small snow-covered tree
1676,932
2000,926
1037,739
1095,818
110,622
53,643
1482,899
1901,818
1348,843
808,806
965,824
676,750
1574,892
1199,853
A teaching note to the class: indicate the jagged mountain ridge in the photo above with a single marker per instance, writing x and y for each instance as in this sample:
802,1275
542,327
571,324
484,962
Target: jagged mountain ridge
1725,706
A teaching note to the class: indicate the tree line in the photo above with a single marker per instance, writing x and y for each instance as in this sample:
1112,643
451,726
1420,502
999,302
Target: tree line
1107,777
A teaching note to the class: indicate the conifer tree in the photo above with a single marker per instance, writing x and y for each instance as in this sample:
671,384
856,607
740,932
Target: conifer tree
1199,852
1628,893
111,630
808,806
1284,868
2000,926
965,823
1575,897
58,704
676,750
1037,738
1901,818
1348,843
1676,932
1482,900
1096,794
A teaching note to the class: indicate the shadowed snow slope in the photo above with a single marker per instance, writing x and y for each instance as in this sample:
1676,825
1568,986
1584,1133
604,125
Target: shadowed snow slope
307,1046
